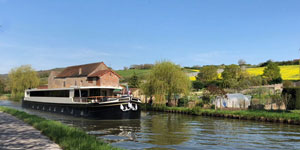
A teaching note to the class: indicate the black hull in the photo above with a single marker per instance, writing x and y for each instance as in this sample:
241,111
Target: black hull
92,111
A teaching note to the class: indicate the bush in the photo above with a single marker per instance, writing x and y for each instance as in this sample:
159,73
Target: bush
198,85
292,96
287,84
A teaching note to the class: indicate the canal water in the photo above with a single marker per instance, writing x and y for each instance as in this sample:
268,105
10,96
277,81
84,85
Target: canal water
175,131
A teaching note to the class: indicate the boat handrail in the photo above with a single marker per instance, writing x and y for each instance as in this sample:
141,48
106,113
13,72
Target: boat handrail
96,97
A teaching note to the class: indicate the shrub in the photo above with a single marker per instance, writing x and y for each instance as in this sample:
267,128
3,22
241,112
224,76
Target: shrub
292,96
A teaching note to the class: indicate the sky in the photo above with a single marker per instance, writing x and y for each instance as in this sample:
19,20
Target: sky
53,33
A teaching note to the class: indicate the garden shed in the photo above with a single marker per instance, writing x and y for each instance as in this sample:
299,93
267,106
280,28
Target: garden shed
236,100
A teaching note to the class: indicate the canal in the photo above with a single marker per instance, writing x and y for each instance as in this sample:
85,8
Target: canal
156,130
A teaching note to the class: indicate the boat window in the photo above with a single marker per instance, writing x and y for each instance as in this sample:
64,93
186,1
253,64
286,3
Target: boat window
95,92
76,93
62,93
84,93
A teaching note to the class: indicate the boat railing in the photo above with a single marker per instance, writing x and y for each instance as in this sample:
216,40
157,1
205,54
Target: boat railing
80,99
102,98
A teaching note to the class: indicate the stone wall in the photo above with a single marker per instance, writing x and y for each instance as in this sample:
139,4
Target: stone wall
109,79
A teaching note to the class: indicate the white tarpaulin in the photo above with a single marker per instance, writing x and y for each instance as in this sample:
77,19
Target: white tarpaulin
233,101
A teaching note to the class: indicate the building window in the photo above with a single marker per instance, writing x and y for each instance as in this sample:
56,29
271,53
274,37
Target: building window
75,83
64,83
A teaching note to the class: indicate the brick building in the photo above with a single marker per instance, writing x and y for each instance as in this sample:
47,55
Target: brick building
95,74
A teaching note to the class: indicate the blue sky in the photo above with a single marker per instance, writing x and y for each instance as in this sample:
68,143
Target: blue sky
55,33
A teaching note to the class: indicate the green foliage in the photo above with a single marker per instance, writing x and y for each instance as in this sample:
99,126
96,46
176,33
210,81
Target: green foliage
22,78
272,73
166,79
208,73
263,115
126,74
134,81
255,80
235,78
287,84
68,138
292,97
2,86
231,72
197,85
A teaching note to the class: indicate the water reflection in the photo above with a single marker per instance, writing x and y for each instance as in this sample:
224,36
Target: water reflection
165,129
172,131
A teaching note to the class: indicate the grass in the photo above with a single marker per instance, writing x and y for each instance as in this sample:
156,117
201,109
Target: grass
128,73
4,97
292,117
68,138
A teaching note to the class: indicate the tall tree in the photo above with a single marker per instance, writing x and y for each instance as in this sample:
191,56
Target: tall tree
22,78
208,73
166,80
2,86
134,81
272,73
241,62
231,76
231,72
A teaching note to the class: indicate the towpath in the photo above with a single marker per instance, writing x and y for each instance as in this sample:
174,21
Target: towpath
17,135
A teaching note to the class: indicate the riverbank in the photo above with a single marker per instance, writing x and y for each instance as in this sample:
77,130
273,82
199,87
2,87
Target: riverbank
68,138
257,115
4,97
15,134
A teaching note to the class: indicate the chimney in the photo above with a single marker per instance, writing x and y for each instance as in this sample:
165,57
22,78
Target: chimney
80,71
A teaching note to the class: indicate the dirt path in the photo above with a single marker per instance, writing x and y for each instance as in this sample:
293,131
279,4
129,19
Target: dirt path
17,135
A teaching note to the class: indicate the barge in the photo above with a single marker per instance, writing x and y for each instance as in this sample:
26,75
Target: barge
88,102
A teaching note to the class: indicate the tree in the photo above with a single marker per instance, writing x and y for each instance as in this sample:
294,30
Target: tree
134,81
22,78
166,80
231,75
241,62
2,86
208,73
272,73
198,85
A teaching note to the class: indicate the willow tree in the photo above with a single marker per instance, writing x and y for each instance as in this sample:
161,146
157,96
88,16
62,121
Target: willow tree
22,78
165,81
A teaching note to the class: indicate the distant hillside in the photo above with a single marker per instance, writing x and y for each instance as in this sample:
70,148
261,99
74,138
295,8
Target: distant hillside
44,74
288,72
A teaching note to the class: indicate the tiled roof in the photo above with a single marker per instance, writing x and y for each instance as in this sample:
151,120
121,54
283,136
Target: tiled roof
99,73
102,72
73,71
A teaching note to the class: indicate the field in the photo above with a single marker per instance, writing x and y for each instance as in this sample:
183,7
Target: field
128,73
289,72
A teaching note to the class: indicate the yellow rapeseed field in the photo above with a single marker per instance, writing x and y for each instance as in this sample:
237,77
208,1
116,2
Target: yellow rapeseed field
288,72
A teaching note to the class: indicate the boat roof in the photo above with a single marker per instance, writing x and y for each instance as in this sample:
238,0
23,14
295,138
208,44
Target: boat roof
76,87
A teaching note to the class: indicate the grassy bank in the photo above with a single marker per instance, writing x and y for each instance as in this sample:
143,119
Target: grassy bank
68,138
292,117
4,97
